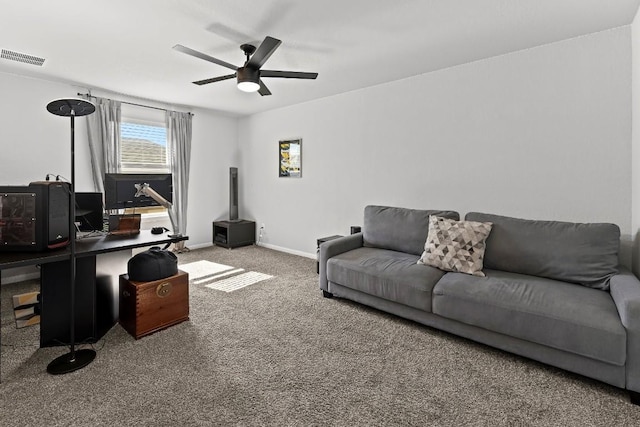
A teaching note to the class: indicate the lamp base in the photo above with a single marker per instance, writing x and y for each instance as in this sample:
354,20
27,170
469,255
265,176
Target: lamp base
65,364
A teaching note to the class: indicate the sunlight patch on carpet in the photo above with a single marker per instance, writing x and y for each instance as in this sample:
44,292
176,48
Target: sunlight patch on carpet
221,277
237,282
211,277
202,268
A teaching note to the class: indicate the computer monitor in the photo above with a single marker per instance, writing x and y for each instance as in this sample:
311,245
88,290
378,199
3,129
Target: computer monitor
89,211
120,189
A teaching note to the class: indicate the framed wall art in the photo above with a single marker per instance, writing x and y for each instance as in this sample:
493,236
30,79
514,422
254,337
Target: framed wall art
290,158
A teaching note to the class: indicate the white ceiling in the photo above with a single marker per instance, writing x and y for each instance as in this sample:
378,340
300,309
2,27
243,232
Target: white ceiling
125,46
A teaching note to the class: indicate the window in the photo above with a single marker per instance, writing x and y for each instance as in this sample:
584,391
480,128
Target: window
143,149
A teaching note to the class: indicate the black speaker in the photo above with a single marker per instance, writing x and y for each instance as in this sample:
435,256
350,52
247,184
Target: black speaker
233,194
34,217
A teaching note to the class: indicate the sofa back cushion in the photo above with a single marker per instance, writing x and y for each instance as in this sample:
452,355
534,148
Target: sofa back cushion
586,254
399,229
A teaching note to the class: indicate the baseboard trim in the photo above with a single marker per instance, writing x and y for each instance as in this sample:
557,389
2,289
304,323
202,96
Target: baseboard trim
286,250
197,246
15,278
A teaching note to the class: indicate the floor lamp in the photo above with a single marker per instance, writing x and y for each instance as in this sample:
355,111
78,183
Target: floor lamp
74,360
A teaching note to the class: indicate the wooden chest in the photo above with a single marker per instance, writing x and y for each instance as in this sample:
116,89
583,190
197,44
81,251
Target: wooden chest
147,307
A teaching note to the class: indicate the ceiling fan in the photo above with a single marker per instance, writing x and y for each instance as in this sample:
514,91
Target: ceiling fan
250,75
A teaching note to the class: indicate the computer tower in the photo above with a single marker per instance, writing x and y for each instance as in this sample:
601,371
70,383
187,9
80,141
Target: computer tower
34,217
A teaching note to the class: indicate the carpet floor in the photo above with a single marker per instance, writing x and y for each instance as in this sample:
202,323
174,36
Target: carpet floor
277,353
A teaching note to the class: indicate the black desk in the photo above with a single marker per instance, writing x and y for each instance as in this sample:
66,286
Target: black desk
100,261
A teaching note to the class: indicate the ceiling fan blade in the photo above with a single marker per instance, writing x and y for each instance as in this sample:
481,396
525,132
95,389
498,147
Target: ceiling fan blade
215,79
201,55
264,90
288,74
265,50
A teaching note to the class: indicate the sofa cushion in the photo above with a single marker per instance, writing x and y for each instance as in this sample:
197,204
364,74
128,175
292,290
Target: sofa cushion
386,274
455,245
557,314
586,254
399,229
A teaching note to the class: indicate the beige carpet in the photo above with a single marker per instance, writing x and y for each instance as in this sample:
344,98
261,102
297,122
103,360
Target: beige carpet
277,353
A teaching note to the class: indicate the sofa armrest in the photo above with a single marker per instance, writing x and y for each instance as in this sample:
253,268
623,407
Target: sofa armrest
625,291
335,247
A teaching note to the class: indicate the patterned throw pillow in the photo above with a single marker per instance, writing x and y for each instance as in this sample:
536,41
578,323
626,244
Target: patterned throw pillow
455,245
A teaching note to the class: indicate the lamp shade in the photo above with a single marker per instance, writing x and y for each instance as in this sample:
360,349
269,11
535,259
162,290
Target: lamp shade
71,107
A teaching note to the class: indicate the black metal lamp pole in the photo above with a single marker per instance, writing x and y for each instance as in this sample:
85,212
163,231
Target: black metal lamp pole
74,360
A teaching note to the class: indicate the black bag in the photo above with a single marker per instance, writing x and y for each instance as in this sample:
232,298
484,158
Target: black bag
152,264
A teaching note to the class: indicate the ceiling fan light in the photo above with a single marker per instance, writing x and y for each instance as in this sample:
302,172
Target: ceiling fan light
248,79
248,86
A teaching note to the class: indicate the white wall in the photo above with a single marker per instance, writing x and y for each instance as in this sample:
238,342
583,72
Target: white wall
213,151
34,142
543,133
635,151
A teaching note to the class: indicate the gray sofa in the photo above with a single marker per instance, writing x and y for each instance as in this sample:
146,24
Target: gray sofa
553,291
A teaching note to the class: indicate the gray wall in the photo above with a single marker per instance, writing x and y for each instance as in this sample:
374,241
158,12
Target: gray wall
541,133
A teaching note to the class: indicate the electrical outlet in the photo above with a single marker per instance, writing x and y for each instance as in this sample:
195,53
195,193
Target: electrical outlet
261,233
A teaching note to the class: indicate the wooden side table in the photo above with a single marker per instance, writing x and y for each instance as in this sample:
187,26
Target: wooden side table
147,307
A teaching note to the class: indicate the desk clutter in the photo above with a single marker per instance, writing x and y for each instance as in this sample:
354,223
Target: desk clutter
154,294
46,215
125,224
26,309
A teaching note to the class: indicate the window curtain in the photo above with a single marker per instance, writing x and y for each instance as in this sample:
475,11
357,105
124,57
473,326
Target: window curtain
103,128
179,144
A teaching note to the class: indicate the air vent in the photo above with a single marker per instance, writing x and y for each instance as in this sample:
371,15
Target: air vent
21,57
